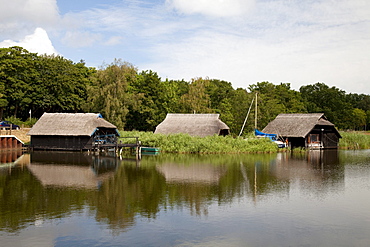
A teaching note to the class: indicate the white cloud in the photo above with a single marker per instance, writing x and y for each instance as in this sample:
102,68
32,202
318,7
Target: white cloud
115,40
215,8
241,41
18,16
37,42
317,56
300,43
77,39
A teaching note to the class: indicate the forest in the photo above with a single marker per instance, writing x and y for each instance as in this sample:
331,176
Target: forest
31,84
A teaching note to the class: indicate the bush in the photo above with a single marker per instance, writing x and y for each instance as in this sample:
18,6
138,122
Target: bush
354,140
184,143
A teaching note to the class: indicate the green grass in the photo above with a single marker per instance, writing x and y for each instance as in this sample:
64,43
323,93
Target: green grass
354,140
184,143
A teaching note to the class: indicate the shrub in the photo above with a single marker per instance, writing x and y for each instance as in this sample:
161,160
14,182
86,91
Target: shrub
184,143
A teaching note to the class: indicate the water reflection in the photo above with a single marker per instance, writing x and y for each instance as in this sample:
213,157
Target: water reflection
316,170
77,170
194,173
10,157
118,195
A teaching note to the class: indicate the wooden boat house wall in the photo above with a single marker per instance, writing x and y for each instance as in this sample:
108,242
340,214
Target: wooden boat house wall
71,131
312,131
193,124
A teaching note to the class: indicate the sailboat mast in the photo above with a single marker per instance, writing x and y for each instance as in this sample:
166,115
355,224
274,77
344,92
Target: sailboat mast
245,120
255,115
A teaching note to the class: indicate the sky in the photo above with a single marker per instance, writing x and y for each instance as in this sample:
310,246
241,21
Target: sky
300,42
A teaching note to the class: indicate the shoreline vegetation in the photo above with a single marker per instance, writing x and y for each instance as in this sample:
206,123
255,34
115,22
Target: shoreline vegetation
354,140
184,143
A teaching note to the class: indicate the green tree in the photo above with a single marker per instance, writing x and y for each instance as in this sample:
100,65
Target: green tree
61,86
275,99
174,89
218,91
196,100
152,107
109,92
330,101
359,119
360,101
240,103
17,71
3,101
157,99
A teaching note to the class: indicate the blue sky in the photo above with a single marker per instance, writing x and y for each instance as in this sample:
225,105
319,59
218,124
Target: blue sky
240,41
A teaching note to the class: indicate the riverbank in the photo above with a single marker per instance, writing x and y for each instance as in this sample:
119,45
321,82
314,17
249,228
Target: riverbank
354,140
184,143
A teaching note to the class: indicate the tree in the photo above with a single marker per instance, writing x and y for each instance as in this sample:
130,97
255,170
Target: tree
240,102
3,101
196,100
276,99
330,101
359,119
61,85
151,109
17,71
218,92
109,92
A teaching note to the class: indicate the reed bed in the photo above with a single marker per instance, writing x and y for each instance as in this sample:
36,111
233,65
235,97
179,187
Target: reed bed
184,143
354,140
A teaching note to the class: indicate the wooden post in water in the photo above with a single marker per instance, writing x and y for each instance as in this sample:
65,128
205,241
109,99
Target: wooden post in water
138,149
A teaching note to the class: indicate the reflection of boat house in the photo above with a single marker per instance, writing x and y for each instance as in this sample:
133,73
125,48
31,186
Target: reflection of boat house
74,170
194,173
305,130
318,169
193,124
71,131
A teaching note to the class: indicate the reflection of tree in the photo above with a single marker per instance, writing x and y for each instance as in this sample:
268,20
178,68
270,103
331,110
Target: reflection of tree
165,181
23,200
257,171
133,190
185,189
194,185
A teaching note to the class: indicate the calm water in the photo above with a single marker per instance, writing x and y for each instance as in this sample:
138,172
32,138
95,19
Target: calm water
74,199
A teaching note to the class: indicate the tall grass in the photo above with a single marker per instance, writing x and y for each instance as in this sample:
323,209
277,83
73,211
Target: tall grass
184,143
354,140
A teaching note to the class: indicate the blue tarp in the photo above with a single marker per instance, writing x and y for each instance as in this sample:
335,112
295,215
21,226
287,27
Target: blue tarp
273,137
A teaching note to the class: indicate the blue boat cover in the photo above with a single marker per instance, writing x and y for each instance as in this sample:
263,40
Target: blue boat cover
259,133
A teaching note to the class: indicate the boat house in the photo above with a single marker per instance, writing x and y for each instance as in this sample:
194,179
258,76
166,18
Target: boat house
312,131
71,131
193,124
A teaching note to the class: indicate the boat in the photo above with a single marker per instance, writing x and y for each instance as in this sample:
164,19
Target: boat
272,137
149,149
257,133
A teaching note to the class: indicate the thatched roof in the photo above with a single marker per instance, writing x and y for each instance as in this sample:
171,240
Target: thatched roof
69,124
297,125
192,124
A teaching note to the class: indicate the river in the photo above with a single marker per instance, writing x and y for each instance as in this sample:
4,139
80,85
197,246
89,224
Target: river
318,198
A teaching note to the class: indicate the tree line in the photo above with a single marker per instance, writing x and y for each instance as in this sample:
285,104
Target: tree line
140,100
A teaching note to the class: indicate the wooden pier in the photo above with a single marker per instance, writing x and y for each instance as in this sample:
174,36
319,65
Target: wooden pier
10,142
117,147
